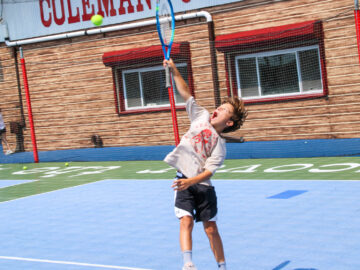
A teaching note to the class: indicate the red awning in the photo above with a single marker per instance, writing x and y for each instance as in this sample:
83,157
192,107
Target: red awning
256,38
145,54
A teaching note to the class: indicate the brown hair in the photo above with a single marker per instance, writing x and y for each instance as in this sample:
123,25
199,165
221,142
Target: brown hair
239,114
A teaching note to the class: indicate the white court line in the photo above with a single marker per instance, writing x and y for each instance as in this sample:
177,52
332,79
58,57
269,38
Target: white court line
70,263
21,183
37,194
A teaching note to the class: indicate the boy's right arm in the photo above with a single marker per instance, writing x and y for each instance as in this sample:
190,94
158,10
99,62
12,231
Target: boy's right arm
181,85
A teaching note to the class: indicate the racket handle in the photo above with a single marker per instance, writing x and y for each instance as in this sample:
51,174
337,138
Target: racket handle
167,76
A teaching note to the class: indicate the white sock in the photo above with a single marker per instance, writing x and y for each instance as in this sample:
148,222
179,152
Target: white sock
187,256
222,266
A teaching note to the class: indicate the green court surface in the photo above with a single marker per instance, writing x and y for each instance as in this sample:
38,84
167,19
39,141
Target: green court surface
46,177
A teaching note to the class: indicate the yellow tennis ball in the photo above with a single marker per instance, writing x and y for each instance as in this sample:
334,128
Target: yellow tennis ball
97,19
24,168
66,164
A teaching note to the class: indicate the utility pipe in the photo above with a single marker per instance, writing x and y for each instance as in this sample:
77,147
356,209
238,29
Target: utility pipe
101,30
22,117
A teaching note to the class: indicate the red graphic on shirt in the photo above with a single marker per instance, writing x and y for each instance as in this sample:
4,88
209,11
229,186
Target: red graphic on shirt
202,142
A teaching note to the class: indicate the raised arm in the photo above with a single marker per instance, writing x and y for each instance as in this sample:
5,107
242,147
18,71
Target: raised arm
181,85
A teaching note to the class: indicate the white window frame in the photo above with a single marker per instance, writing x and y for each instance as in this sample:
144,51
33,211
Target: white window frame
277,52
139,71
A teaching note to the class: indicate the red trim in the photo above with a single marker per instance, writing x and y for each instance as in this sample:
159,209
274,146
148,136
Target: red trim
281,98
267,36
121,93
144,54
323,63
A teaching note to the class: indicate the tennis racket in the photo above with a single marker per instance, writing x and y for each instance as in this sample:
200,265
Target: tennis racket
165,22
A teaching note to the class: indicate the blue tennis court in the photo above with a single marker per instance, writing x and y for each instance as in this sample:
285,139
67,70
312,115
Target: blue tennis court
129,224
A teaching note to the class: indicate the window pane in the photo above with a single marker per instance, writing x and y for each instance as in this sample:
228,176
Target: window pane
154,90
248,77
184,73
278,74
310,70
133,98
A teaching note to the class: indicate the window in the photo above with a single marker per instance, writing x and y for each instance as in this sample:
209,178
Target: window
276,63
139,78
145,87
277,73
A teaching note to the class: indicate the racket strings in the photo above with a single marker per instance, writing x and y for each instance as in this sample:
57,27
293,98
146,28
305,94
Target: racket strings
165,23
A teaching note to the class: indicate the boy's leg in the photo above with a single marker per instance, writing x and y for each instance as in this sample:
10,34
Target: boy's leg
184,207
216,245
186,227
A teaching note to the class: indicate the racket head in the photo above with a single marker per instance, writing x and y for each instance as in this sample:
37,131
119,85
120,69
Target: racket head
165,23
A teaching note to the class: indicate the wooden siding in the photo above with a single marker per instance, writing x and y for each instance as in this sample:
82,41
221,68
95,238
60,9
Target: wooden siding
72,92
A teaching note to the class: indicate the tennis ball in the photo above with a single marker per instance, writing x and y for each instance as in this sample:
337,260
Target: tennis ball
66,164
24,168
97,19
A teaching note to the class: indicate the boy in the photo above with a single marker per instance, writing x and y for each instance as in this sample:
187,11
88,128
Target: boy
200,152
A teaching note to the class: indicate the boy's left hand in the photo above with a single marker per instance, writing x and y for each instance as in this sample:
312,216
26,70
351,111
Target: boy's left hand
181,184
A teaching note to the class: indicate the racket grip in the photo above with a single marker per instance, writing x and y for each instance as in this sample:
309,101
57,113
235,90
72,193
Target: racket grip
167,76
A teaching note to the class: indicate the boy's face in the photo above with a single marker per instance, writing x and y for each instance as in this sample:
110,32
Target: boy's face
221,117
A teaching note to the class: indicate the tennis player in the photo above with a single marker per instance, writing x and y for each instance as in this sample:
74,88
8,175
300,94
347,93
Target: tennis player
200,152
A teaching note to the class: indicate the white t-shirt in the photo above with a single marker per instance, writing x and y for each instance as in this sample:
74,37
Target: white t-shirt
2,124
200,148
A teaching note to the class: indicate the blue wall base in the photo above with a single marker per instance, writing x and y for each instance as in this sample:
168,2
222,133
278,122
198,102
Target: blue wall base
247,150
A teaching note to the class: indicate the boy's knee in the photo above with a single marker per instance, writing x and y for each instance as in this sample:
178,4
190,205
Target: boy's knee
187,222
211,229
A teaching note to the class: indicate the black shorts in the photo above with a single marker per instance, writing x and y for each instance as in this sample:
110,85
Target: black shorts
2,131
198,200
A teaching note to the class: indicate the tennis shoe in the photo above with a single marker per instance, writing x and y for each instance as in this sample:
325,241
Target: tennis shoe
189,266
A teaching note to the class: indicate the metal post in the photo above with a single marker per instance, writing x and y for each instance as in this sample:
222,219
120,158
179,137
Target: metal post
28,102
357,25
